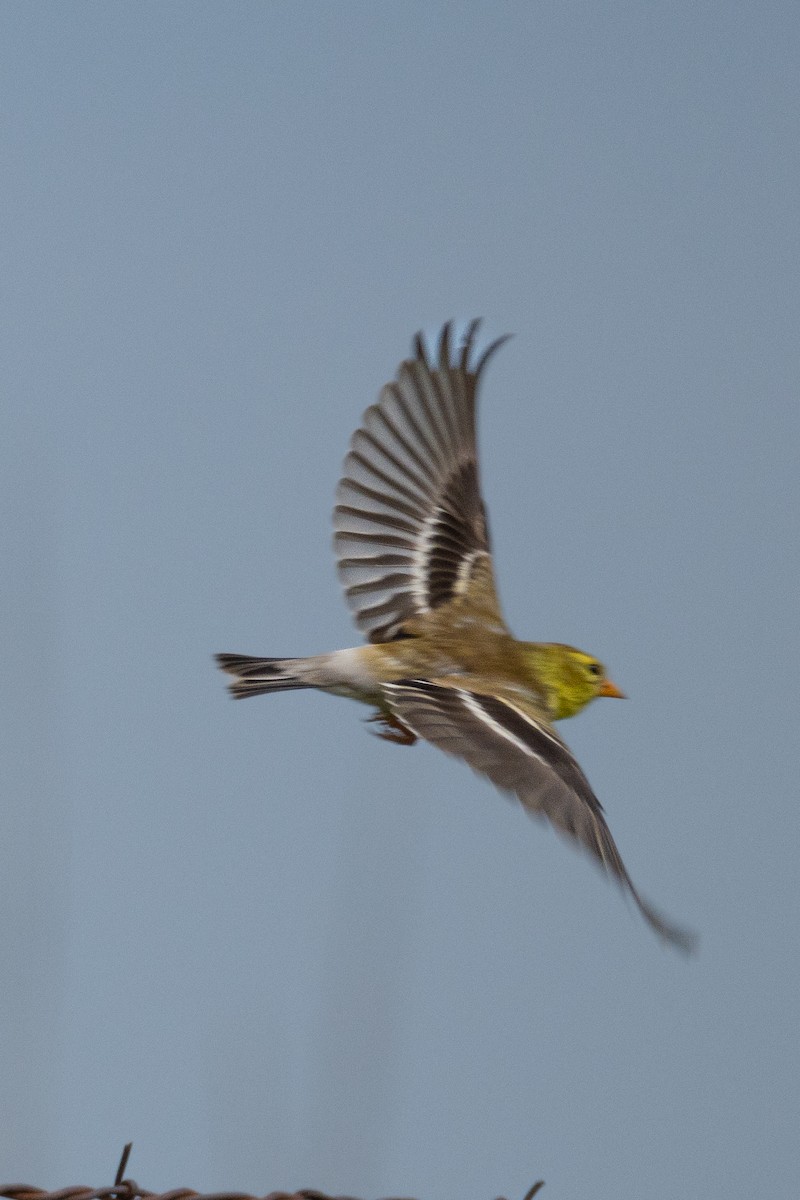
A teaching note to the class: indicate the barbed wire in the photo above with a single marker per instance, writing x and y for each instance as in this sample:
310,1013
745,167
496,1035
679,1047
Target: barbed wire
128,1189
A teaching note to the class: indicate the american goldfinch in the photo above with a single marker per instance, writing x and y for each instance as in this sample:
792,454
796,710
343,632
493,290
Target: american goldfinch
440,663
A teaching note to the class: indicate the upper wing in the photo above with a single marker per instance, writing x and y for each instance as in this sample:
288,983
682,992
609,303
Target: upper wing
410,523
526,757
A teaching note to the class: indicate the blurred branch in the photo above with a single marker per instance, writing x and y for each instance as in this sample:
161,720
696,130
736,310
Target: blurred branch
128,1189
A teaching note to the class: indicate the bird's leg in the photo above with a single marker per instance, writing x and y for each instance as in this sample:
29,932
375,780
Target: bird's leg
393,729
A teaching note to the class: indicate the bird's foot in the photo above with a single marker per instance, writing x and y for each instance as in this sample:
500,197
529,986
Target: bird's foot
393,729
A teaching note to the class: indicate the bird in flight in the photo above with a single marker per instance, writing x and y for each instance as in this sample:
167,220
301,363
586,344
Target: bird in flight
440,663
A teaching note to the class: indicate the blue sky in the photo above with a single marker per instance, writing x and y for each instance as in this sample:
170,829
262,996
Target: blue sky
271,950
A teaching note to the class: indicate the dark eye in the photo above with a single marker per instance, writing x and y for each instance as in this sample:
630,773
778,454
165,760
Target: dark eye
594,668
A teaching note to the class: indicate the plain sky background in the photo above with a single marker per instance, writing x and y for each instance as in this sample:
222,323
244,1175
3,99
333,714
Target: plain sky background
271,950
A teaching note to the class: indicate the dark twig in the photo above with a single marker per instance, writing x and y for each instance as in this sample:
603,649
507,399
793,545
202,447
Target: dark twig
123,1162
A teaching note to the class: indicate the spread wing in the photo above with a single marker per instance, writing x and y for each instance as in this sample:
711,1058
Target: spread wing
410,525
524,756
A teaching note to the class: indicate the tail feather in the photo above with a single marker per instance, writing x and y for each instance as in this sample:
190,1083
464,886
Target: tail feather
257,676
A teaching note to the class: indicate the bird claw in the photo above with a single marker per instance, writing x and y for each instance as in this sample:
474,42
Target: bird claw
393,730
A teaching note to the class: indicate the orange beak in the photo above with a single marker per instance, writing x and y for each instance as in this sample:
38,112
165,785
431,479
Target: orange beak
611,689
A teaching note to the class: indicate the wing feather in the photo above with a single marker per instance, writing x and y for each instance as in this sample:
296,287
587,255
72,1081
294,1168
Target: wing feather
410,491
525,756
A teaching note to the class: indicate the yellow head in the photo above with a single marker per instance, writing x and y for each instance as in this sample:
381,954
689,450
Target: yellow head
570,678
